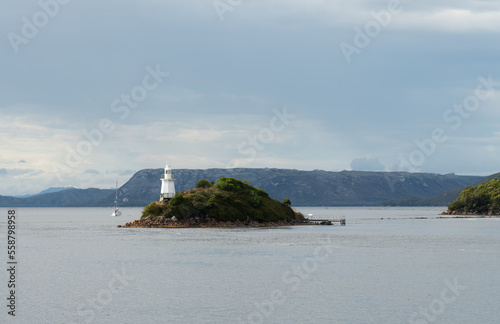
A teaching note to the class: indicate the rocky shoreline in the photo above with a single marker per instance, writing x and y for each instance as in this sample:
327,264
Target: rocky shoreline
461,213
163,222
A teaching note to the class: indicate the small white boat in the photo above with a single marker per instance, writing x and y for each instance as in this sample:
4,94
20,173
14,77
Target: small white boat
117,211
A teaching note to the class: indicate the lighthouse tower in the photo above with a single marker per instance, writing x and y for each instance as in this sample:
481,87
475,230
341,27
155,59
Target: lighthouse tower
167,185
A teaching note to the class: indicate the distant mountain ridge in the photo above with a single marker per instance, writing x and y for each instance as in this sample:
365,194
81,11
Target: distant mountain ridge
65,198
303,188
50,190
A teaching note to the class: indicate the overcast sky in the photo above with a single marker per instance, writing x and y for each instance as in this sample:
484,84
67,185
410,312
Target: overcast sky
93,91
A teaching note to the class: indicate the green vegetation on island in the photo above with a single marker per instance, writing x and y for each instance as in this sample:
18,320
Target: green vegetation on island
483,199
229,200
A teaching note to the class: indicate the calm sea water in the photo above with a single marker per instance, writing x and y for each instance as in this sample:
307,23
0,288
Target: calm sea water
385,266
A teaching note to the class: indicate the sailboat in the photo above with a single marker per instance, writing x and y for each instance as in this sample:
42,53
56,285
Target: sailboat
117,211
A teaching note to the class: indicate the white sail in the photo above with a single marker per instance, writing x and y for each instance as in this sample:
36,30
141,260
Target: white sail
117,211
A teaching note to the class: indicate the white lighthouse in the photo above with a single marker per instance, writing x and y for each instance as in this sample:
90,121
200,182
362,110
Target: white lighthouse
167,184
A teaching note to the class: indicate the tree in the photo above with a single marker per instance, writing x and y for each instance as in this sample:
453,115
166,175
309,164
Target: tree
203,183
287,201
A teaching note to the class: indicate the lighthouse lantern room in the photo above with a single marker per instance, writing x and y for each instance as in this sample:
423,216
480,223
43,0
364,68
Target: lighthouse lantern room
167,185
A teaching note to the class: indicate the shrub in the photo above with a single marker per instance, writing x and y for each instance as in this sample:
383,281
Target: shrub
177,200
203,183
256,202
153,210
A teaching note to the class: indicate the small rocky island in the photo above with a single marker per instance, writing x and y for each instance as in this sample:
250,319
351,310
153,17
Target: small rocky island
227,203
481,200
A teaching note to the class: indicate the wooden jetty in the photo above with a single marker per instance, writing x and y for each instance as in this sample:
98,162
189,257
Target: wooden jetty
322,221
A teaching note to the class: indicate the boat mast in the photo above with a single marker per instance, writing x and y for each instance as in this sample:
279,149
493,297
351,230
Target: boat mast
116,194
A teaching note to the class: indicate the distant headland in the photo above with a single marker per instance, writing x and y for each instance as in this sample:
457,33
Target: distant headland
480,200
